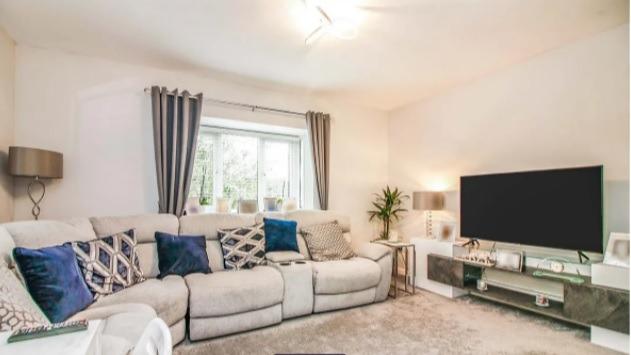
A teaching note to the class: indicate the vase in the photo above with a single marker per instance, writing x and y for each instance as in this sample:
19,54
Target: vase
394,236
222,205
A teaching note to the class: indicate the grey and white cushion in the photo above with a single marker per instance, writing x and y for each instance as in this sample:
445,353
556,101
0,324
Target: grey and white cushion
242,247
326,242
109,264
17,308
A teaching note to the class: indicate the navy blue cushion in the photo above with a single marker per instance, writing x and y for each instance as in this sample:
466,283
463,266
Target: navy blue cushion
54,280
280,235
181,255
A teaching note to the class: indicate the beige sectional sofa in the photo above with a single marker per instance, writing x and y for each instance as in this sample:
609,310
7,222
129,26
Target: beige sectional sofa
222,302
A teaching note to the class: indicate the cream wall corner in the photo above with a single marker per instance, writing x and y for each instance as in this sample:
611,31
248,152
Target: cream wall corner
95,112
567,107
7,72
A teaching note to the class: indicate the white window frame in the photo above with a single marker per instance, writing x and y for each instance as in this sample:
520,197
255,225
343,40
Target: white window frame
300,179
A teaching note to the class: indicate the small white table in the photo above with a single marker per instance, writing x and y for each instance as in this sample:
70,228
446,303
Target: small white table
86,342
425,246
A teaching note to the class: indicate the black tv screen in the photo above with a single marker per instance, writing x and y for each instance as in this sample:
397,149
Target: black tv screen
559,208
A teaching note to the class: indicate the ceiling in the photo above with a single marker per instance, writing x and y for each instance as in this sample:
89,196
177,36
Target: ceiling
405,50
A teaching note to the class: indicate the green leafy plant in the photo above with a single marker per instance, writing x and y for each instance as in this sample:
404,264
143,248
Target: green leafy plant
387,208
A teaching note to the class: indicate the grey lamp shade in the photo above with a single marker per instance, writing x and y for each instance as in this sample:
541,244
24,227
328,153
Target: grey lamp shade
33,162
428,200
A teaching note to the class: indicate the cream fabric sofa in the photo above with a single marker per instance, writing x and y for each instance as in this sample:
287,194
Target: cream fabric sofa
222,302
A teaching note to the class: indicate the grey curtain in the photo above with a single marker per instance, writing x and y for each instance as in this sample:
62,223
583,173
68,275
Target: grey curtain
176,119
319,127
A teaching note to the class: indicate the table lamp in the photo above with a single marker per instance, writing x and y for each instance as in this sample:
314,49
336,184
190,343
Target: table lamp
36,164
428,201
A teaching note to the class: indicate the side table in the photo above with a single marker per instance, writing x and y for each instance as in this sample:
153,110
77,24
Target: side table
402,250
86,342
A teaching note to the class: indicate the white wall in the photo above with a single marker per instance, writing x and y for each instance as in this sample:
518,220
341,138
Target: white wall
567,107
95,112
7,70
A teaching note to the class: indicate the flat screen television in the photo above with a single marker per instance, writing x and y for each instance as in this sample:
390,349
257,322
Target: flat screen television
561,208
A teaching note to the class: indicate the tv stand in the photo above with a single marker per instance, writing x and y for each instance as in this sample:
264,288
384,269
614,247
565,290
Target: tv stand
582,255
583,303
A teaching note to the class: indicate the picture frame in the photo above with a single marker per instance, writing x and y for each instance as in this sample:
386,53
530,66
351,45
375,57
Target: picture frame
617,252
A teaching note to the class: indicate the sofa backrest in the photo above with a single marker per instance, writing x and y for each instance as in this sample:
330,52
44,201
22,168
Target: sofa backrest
207,225
145,227
38,234
306,218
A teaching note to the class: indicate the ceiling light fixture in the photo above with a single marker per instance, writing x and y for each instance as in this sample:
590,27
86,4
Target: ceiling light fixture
336,25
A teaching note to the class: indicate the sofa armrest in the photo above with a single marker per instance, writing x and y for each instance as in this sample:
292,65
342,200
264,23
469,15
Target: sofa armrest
372,251
104,312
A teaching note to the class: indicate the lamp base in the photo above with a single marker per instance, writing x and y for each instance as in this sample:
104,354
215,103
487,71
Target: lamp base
35,211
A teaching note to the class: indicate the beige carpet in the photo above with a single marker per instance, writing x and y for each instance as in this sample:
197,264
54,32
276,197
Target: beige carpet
421,324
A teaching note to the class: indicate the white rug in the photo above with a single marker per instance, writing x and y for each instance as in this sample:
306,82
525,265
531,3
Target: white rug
421,324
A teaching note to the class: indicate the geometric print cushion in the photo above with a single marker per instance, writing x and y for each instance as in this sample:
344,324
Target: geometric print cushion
326,242
17,308
109,264
242,247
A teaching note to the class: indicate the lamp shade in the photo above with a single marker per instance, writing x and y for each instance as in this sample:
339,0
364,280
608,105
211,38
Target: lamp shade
428,200
33,162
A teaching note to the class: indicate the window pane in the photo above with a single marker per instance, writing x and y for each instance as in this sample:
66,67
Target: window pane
202,180
239,168
276,169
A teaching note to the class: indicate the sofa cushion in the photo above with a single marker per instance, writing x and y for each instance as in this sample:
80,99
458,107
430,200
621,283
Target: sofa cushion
168,297
54,280
243,247
17,309
145,226
109,264
343,276
230,292
326,242
280,235
181,255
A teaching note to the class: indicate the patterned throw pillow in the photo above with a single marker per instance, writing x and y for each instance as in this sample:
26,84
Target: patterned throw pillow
109,264
243,247
326,242
17,309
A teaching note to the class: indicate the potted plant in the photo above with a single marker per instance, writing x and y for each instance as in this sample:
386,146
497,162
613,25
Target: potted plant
387,208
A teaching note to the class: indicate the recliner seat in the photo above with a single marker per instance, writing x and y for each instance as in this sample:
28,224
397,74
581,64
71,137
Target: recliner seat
222,302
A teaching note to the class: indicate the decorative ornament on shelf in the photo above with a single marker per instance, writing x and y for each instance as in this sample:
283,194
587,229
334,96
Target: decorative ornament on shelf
387,209
222,205
552,268
37,164
289,205
617,252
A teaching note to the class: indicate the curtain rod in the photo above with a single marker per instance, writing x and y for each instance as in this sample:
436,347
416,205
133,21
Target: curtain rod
248,106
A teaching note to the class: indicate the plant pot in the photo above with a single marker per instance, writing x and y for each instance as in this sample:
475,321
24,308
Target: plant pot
394,236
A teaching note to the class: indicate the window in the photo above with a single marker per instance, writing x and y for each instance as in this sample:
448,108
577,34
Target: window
244,164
